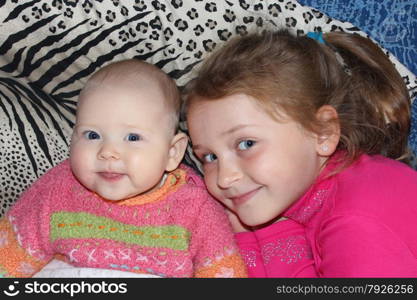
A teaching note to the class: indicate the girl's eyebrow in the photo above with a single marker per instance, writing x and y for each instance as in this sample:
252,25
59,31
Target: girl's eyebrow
228,132
237,128
196,147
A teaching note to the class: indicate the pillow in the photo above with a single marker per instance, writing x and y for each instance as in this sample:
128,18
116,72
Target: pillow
48,49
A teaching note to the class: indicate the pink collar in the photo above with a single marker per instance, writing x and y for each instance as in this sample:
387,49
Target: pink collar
316,195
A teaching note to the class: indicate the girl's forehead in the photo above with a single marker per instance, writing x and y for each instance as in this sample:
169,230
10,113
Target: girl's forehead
226,113
236,104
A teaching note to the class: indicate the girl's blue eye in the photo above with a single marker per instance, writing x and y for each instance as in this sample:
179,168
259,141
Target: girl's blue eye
91,135
133,137
208,158
245,145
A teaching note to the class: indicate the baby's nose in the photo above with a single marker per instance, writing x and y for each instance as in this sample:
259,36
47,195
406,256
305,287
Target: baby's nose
108,151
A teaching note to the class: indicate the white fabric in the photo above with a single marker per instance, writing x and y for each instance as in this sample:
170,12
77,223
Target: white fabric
60,269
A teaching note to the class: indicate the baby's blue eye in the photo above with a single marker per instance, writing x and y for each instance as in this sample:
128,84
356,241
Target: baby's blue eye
246,144
133,137
91,135
208,158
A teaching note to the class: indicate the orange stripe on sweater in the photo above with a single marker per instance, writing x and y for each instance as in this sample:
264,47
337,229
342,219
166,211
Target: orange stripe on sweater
14,260
228,266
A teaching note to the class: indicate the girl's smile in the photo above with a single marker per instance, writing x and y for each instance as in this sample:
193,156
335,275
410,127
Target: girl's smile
244,197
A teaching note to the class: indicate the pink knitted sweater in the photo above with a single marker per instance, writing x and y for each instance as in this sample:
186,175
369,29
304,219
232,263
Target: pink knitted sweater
359,223
175,231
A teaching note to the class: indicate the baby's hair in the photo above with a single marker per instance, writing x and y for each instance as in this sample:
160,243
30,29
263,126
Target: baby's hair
134,70
296,76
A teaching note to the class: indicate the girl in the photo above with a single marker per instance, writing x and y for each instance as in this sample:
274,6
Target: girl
298,138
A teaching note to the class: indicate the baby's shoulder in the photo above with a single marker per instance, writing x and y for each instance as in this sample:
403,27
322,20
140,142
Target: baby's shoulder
56,175
193,191
192,177
61,169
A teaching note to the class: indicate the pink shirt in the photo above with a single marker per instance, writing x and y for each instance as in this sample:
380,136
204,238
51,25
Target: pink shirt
361,222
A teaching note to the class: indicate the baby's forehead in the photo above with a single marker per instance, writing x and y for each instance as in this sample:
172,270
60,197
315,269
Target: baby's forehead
137,82
123,87
126,96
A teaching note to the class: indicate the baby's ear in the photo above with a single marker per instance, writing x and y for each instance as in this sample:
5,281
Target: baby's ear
176,151
328,138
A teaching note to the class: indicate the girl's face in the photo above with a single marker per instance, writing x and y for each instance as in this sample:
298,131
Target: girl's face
257,167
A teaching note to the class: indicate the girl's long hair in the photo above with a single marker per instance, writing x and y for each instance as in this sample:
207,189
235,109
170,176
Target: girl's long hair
297,75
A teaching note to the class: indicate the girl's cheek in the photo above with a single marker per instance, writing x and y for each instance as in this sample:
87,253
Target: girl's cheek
251,157
210,180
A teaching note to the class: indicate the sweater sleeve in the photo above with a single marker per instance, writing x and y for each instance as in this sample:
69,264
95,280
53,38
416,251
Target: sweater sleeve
24,230
217,254
360,246
279,250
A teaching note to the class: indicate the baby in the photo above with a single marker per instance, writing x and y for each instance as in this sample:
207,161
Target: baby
122,201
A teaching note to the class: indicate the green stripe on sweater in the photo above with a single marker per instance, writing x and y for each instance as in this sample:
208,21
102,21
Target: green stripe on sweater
80,225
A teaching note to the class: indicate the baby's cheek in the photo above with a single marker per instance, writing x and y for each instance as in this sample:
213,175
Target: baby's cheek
75,160
80,165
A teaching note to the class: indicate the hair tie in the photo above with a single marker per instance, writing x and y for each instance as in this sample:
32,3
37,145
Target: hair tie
318,36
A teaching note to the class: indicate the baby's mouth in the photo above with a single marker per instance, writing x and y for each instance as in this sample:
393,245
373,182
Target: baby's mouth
110,176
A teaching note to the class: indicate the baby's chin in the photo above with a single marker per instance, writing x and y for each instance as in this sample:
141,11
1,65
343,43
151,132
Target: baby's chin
114,198
113,194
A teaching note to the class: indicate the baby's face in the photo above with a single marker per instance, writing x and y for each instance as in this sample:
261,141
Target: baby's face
121,139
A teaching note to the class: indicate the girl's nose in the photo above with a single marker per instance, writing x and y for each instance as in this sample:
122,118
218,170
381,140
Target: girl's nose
108,151
228,174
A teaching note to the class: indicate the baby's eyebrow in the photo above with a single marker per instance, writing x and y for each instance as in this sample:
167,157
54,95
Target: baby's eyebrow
77,126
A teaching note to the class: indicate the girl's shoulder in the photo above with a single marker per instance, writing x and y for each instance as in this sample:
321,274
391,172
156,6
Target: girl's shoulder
378,168
373,181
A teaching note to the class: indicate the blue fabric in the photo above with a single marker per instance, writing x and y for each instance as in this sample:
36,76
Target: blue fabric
393,23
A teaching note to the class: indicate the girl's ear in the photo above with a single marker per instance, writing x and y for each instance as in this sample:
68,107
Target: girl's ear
176,151
329,137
